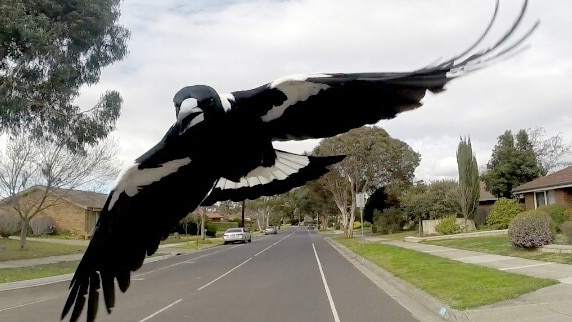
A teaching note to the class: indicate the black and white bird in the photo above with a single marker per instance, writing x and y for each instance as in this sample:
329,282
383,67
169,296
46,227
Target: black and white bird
220,148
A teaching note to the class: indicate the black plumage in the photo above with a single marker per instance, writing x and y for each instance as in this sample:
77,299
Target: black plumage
220,148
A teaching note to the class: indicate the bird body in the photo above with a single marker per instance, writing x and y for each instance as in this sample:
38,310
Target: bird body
220,148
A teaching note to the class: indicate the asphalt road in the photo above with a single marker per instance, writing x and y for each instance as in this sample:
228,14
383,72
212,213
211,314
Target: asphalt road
292,276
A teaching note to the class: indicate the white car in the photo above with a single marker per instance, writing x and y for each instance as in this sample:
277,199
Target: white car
240,234
270,230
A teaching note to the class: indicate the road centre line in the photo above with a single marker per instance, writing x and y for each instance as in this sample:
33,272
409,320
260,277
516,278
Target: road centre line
159,311
179,263
265,249
262,251
223,275
30,303
328,293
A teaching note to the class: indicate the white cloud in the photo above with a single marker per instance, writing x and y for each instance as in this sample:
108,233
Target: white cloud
234,45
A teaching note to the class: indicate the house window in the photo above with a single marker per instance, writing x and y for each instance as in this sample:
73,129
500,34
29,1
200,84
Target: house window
546,197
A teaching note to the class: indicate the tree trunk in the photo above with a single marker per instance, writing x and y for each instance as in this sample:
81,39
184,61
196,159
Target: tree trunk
23,231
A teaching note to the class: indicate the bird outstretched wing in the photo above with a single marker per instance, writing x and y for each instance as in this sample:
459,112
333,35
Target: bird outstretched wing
316,106
149,199
289,171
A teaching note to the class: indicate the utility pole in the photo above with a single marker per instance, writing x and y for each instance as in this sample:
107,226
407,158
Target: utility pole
360,202
243,203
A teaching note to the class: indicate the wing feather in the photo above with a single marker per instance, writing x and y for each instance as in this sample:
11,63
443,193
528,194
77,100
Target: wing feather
315,106
289,171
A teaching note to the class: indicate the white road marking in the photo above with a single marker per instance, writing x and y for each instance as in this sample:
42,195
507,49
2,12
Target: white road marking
332,305
190,261
223,275
525,266
30,303
262,251
161,310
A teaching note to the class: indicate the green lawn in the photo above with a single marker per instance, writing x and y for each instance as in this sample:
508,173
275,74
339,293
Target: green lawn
499,245
26,273
9,250
460,285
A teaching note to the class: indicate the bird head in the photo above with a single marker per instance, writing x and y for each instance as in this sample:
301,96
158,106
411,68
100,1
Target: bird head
195,104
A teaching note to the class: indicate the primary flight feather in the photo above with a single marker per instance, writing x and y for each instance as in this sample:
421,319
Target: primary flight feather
220,148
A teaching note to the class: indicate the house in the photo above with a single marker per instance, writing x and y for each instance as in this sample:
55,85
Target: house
76,211
486,201
550,189
215,216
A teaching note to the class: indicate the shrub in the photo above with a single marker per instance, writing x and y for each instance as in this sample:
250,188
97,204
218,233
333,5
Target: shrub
357,225
531,229
42,225
222,226
389,221
9,224
448,226
566,229
568,214
502,213
210,228
557,212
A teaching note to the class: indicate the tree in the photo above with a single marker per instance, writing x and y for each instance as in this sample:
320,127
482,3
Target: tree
373,159
550,151
468,179
260,209
26,162
437,200
48,51
511,164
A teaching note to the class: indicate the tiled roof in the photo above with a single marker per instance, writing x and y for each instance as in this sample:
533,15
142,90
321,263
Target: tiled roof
562,178
484,194
214,215
84,199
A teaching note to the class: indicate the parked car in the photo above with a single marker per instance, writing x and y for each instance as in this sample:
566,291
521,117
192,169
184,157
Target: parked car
240,234
270,230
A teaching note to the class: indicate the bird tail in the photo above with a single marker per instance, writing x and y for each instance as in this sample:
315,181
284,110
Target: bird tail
289,171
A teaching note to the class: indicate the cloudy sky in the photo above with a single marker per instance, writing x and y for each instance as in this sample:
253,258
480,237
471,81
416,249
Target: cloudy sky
235,45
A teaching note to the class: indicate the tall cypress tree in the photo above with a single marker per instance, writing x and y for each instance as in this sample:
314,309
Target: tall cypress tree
469,192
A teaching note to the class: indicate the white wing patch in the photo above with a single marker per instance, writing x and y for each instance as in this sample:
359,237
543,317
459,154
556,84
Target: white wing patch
296,89
225,100
286,165
132,178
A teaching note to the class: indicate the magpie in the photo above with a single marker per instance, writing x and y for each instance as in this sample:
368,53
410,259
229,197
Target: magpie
220,148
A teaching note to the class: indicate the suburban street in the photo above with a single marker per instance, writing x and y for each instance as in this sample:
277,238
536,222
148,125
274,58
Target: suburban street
292,276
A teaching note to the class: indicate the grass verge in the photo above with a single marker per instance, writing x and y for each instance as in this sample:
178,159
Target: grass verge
192,243
460,285
27,273
499,245
9,250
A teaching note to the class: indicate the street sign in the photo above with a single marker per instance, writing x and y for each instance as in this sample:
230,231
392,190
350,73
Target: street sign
360,200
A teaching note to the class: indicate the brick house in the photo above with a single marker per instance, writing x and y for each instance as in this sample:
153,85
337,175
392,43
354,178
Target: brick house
215,216
550,189
74,210
486,201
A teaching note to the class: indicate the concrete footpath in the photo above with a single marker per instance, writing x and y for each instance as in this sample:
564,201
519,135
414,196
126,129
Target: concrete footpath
553,303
